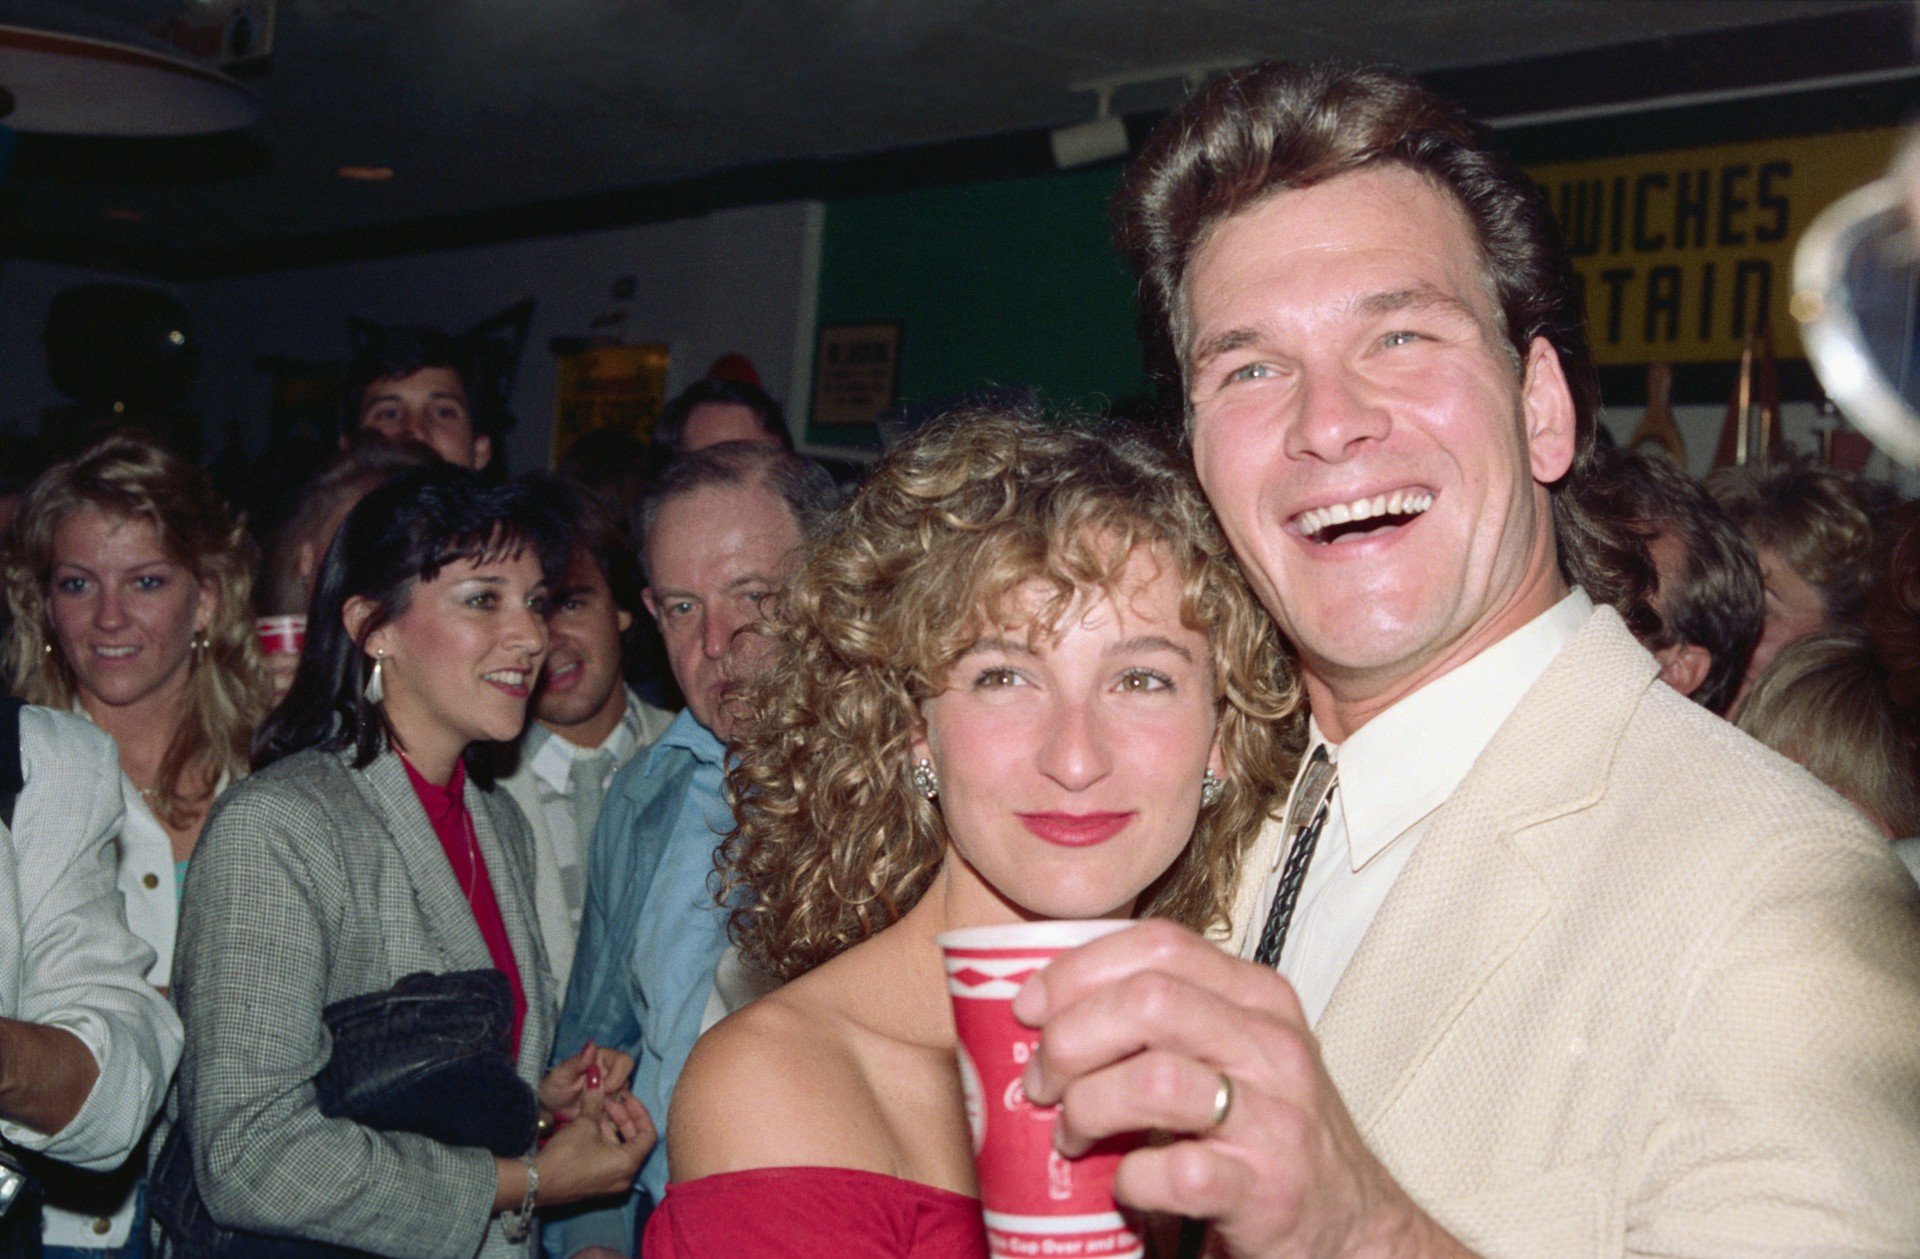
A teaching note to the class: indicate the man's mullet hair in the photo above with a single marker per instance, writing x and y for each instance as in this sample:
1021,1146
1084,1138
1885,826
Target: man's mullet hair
1276,127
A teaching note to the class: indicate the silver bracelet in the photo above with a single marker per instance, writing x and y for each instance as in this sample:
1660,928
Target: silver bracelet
515,1225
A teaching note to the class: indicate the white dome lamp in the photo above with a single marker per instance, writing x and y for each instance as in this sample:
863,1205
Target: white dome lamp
68,72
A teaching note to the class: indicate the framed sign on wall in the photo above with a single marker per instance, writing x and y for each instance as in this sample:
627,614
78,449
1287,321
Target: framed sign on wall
856,369
609,386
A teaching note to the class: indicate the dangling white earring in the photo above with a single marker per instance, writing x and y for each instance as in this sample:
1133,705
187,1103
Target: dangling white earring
924,780
376,689
1211,789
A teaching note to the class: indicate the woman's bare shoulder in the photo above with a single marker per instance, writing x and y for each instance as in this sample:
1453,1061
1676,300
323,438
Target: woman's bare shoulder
779,1083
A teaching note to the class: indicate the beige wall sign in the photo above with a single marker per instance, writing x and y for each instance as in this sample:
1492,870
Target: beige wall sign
854,373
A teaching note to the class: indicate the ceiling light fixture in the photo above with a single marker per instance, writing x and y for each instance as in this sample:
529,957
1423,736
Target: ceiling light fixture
67,71
366,174
1084,143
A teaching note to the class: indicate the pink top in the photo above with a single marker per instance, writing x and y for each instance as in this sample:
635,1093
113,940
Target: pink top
789,1211
447,810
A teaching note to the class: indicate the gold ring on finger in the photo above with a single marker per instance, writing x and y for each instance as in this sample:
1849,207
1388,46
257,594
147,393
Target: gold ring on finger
1222,1102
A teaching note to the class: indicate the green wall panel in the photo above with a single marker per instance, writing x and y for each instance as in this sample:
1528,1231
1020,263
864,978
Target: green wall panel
1008,283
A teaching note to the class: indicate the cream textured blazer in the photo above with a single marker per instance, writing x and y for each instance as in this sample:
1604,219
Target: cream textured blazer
1645,988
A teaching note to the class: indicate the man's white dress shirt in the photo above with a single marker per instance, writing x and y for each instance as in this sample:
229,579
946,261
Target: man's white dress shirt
1392,775
543,787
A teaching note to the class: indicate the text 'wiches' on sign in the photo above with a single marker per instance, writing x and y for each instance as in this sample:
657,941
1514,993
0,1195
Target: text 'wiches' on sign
1681,255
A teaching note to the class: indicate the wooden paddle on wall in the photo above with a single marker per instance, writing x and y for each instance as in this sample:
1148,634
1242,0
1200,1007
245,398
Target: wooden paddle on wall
1657,429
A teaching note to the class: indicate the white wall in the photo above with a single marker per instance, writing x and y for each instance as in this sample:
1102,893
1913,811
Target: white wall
738,280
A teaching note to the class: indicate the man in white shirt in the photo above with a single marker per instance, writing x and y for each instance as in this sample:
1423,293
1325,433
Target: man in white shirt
87,1045
587,722
1566,966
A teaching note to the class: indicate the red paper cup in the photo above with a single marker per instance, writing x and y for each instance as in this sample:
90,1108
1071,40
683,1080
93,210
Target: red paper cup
282,633
1036,1202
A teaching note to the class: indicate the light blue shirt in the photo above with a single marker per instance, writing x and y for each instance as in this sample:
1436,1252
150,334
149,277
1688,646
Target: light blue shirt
650,938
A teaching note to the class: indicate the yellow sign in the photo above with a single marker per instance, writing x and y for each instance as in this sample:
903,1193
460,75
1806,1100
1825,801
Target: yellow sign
1682,254
610,386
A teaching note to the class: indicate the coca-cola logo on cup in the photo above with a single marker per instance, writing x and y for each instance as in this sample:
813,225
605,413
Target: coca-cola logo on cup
1035,1200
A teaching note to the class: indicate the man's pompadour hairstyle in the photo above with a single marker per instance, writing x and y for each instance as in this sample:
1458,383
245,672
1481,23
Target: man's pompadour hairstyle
1277,126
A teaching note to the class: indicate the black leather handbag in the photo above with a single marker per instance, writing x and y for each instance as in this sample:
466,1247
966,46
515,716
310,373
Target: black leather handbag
431,1055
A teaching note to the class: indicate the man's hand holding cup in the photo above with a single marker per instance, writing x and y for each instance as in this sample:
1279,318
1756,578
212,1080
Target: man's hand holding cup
1155,1029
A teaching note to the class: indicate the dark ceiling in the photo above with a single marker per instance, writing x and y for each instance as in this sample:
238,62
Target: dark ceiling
504,117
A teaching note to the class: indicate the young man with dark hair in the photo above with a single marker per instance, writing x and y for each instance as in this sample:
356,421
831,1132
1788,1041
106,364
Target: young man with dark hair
1543,959
587,723
1710,602
421,385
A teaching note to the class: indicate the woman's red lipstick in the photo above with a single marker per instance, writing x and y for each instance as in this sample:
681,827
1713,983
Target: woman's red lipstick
1075,830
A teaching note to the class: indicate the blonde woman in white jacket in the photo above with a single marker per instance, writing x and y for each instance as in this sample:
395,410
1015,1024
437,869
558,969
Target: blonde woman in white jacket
128,581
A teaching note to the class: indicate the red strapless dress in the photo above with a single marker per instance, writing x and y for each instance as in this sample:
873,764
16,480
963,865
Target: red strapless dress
806,1211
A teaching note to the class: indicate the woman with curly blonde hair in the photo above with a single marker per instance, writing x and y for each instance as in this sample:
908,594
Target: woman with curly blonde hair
1018,676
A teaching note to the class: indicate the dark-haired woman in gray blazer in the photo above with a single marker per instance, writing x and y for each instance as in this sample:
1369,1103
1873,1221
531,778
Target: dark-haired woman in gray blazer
369,845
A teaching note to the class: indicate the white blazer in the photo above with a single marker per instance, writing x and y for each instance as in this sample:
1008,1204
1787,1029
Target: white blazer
67,957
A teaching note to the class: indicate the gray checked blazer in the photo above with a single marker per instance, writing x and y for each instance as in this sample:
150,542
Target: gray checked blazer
314,882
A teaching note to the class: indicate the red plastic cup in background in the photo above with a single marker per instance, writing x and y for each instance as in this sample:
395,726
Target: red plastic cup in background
286,634
1036,1202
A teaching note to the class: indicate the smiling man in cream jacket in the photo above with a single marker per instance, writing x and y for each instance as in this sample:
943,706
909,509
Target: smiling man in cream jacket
1544,959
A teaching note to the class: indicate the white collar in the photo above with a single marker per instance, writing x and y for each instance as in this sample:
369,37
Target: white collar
1407,761
553,757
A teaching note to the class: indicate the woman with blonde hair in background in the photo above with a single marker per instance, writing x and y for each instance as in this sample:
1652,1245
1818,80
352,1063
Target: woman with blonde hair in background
1813,532
128,582
1824,703
1018,677
130,588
